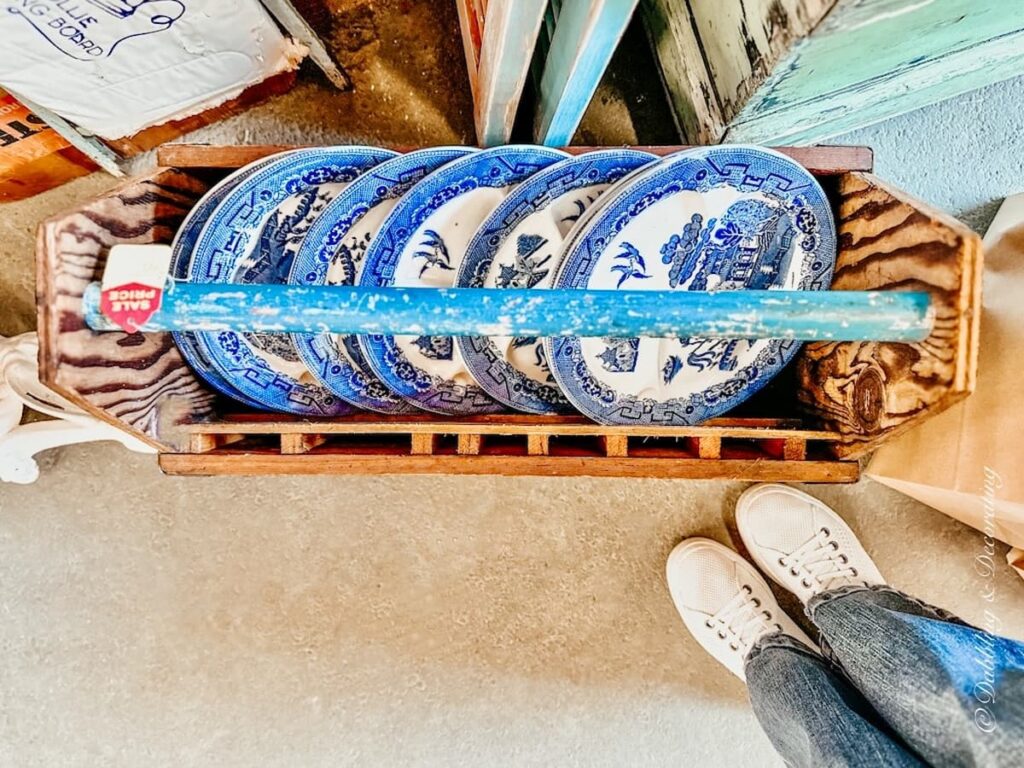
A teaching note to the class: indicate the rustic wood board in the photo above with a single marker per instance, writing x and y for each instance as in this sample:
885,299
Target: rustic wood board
507,424
871,391
684,70
509,36
821,161
586,35
713,54
33,157
241,463
471,22
857,68
134,381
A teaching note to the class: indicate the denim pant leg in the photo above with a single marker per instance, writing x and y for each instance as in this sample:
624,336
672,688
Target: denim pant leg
812,716
953,693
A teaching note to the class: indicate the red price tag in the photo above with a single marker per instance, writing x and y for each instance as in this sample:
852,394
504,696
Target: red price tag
130,305
133,284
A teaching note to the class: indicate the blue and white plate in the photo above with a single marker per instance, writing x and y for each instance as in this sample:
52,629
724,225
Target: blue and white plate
181,260
332,254
721,218
422,244
237,245
519,246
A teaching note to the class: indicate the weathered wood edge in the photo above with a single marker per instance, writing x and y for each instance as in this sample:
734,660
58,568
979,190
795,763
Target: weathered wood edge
825,160
512,424
224,463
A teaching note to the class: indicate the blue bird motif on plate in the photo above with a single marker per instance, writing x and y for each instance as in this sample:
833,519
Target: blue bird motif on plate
672,367
436,253
629,264
580,206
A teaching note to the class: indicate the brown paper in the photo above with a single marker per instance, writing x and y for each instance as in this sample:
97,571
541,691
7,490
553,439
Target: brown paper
33,157
968,462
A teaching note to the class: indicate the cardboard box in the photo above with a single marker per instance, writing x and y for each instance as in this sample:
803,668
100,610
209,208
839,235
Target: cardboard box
33,157
116,67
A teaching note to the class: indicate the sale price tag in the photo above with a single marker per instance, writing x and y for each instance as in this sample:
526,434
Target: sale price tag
133,284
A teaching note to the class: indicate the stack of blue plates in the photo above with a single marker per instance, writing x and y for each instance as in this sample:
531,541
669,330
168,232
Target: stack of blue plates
715,218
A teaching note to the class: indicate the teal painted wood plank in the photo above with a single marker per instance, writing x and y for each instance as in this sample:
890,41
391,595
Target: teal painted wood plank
801,315
509,35
586,34
874,59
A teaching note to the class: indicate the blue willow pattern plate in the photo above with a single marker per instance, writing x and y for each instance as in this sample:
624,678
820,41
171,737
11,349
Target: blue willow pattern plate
264,366
422,244
181,261
519,246
332,254
721,218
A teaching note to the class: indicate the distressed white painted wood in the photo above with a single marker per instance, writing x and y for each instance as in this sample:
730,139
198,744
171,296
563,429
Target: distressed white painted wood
509,36
471,21
714,53
586,35
20,387
297,26
684,72
873,59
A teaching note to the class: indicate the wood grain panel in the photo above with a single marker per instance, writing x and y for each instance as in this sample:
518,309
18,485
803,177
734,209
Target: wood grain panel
224,463
135,381
684,70
870,391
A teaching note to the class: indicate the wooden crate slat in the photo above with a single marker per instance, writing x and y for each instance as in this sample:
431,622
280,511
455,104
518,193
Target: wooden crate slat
423,444
469,444
225,463
822,161
506,424
295,443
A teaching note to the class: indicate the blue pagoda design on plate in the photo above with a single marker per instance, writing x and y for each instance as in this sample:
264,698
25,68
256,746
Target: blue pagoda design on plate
751,246
435,347
527,270
348,257
620,355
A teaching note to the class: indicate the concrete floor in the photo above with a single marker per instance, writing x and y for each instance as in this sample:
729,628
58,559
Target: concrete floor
157,621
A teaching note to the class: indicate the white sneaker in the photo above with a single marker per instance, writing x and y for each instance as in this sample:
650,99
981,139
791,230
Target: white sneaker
801,543
724,602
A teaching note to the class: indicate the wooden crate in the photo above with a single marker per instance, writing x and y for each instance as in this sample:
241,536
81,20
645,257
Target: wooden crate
835,403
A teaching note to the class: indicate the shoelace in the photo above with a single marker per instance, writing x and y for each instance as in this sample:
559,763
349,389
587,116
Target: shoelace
747,610
820,560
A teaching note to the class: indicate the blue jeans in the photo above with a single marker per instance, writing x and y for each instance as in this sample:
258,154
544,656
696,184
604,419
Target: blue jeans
900,683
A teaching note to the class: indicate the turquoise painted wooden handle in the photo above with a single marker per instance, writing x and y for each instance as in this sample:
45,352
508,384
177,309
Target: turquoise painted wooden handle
801,315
